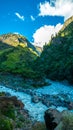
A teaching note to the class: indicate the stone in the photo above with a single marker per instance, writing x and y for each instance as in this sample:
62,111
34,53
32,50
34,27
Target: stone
59,127
46,102
35,99
56,120
7,94
70,106
66,122
52,118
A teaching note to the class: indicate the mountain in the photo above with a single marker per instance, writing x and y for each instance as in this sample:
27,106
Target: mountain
56,60
16,39
16,55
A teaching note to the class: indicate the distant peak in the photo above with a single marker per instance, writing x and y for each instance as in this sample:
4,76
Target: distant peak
67,22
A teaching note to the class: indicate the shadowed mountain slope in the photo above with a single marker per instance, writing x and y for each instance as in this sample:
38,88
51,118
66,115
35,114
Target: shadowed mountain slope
56,60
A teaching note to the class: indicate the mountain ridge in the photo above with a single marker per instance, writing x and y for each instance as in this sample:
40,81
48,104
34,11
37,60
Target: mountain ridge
55,61
15,40
67,22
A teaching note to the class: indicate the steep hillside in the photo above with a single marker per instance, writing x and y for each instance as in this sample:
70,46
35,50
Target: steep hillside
56,60
39,49
67,28
16,55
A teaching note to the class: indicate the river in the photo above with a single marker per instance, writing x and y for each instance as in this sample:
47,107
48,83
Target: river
36,110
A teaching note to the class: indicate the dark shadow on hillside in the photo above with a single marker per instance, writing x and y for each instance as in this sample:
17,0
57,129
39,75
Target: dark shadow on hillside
4,46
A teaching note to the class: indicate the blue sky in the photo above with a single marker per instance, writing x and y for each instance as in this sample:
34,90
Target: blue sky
35,19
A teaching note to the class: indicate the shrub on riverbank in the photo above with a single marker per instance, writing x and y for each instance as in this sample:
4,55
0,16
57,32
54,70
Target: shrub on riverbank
12,114
67,121
39,126
5,123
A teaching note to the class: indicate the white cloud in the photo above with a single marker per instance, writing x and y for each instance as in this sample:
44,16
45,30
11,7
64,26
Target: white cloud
32,18
56,8
16,33
19,16
44,33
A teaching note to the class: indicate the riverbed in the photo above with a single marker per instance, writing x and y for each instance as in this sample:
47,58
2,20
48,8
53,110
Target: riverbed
36,110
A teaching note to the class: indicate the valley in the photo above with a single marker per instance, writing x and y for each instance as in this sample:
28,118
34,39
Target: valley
56,91
36,85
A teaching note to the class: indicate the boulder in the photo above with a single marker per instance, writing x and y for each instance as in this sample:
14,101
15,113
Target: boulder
66,122
46,101
35,99
59,127
70,106
52,118
56,120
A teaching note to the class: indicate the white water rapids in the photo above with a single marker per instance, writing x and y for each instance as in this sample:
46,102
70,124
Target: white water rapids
36,110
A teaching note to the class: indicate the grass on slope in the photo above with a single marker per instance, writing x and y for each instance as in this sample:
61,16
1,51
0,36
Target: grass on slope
17,60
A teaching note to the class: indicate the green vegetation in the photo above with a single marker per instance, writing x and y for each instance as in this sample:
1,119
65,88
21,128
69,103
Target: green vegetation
56,60
2,93
39,126
9,111
12,116
67,121
17,59
18,56
5,124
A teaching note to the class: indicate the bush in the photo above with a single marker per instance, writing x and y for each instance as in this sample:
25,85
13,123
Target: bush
9,112
5,124
39,126
67,121
2,93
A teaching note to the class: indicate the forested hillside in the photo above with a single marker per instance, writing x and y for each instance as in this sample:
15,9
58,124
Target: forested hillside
56,60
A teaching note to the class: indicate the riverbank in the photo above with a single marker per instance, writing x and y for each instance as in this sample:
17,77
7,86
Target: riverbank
16,81
14,116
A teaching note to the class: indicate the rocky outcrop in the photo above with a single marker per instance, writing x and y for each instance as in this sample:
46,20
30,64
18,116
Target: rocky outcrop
70,107
66,122
56,120
5,101
52,118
